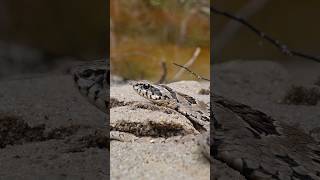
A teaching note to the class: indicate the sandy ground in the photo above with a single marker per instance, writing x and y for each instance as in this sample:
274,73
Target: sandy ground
170,152
48,131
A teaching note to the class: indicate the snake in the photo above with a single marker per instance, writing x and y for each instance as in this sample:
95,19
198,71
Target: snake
196,111
92,80
241,139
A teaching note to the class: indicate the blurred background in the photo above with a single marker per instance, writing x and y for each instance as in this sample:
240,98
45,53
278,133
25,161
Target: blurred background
290,22
41,42
146,34
37,36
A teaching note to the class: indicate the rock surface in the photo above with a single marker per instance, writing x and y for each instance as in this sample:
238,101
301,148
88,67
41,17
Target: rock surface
165,143
251,142
48,131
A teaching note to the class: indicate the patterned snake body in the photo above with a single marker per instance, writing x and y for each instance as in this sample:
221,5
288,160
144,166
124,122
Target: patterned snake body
92,82
196,111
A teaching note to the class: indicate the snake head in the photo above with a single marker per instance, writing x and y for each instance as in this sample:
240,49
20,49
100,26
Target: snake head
86,76
152,92
91,81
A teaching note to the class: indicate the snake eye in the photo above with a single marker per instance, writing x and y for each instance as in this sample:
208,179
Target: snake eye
146,86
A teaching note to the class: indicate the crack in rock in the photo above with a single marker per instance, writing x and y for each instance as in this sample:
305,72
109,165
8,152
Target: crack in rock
15,131
146,120
150,128
114,102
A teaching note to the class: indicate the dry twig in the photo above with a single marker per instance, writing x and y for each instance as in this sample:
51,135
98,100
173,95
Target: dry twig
164,72
193,73
232,27
282,47
188,64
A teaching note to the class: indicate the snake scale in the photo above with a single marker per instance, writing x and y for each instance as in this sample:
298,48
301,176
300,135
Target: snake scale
243,139
92,80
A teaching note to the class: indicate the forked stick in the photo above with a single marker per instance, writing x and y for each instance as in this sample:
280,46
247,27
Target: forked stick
188,64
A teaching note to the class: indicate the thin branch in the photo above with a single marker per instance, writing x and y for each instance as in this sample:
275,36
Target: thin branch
232,27
282,47
164,72
193,73
188,64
